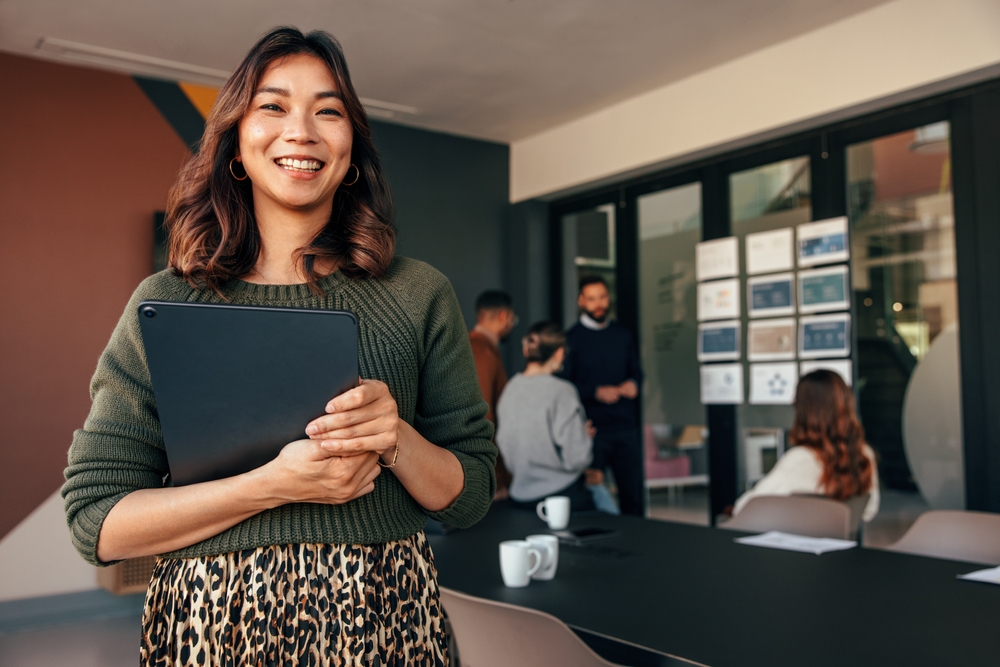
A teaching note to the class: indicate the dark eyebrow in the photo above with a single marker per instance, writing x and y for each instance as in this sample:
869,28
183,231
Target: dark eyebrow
281,91
272,89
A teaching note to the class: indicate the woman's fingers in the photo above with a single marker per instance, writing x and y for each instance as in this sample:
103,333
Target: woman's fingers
376,443
344,420
367,392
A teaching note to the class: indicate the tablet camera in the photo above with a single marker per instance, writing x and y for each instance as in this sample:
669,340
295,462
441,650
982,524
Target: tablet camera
149,311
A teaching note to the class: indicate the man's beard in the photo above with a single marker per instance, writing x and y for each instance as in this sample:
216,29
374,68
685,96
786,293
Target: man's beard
599,320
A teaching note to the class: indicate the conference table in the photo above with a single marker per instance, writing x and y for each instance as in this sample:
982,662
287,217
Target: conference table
661,593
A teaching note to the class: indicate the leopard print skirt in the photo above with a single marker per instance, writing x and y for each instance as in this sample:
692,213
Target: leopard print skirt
297,604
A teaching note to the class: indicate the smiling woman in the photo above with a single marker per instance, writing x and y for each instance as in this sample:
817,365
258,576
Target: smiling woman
286,129
318,556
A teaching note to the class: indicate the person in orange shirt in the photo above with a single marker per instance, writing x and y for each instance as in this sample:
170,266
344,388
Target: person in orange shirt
495,319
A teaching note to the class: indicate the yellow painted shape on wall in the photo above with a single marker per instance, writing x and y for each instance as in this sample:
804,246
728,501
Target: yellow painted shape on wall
202,97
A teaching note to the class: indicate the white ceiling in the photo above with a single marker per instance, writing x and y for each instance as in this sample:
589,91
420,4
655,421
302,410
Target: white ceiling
492,69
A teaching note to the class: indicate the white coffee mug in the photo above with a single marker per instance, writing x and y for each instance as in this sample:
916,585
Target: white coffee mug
548,546
554,511
515,562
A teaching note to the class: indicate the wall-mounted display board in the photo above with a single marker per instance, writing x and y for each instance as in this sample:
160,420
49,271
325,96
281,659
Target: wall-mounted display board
773,384
719,300
719,341
770,252
771,340
771,296
722,384
841,367
717,259
823,290
822,242
825,336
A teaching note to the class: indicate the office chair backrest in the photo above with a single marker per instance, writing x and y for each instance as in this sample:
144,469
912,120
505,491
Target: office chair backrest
812,516
492,633
855,504
954,534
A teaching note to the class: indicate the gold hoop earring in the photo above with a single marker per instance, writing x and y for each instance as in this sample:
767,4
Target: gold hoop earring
357,175
245,174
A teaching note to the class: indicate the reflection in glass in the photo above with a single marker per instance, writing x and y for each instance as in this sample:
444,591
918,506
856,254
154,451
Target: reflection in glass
675,449
903,260
773,196
588,242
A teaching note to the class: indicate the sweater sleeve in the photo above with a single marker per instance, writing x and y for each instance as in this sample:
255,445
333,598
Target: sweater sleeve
120,447
797,471
569,431
451,412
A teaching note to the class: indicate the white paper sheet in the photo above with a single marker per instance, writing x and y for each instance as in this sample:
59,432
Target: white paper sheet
719,300
770,252
773,384
990,576
722,384
719,258
810,545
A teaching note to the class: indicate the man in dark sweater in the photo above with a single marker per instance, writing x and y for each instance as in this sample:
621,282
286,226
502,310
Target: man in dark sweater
602,360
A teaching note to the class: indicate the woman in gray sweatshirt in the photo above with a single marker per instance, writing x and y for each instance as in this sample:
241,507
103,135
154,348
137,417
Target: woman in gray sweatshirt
542,430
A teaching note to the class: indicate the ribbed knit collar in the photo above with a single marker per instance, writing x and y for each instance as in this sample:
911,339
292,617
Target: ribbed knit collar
241,290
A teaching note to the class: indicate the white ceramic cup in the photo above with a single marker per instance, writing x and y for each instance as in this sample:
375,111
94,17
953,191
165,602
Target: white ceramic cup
554,511
548,546
515,562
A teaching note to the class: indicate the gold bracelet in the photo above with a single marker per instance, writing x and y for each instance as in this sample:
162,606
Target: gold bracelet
395,455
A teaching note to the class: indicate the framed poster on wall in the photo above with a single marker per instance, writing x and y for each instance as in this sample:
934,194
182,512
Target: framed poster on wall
771,296
719,300
825,336
824,290
719,341
822,242
771,340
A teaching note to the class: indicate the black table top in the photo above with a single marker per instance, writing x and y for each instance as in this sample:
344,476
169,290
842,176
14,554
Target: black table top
690,591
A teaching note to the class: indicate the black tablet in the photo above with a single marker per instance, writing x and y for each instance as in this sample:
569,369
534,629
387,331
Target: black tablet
235,384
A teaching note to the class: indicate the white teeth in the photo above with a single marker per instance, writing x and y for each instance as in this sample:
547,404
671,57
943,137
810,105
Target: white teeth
299,165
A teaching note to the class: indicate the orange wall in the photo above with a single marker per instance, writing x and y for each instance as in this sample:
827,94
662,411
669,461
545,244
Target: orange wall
87,159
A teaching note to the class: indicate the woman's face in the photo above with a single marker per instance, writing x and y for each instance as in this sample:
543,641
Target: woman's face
295,140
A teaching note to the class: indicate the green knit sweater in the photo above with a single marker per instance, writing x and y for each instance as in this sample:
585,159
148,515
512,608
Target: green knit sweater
411,336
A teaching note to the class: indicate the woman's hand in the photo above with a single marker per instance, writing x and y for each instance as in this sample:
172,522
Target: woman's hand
304,472
362,420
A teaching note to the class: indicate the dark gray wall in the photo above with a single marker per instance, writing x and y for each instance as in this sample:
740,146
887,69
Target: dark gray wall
451,196
526,261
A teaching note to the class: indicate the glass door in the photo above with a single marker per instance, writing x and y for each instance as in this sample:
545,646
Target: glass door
904,280
588,249
674,434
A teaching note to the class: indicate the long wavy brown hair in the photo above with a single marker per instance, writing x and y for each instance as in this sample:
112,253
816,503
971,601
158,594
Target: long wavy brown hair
825,422
213,236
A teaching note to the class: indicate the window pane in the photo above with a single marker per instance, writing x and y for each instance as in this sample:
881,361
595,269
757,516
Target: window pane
903,261
675,449
588,250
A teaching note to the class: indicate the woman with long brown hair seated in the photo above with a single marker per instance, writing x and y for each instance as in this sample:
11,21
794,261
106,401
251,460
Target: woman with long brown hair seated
829,455
318,557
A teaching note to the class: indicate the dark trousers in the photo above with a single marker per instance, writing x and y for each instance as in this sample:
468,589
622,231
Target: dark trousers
621,450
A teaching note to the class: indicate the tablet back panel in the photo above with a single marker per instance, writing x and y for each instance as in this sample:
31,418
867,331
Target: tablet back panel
235,384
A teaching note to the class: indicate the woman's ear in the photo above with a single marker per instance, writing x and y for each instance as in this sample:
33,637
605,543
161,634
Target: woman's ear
559,357
524,347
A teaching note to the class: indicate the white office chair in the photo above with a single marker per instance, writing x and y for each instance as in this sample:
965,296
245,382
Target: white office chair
492,634
953,534
811,516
